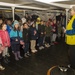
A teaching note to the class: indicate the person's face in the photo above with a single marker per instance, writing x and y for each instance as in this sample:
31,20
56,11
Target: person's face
26,26
33,25
4,27
54,21
16,26
42,22
9,22
72,12
51,23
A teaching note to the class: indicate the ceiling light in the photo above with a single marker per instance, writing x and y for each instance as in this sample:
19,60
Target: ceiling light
49,1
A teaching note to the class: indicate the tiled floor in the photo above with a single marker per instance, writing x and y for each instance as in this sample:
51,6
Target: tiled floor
39,63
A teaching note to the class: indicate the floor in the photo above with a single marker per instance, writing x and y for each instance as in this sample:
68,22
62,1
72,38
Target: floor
38,63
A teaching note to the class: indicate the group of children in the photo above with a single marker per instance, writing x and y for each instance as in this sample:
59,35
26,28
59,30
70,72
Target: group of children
39,33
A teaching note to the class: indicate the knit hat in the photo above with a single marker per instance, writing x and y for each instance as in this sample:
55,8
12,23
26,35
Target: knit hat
15,22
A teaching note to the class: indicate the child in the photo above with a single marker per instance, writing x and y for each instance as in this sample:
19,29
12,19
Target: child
16,38
4,42
33,36
26,39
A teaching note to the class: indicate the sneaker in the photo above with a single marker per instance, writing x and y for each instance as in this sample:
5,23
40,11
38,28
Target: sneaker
28,53
47,45
69,66
33,51
40,48
63,69
1,67
20,57
8,54
25,55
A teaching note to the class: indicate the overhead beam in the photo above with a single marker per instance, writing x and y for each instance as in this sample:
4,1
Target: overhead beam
17,5
60,5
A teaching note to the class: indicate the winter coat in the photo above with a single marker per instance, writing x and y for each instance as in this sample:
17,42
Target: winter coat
15,35
4,38
41,29
48,30
9,28
26,36
33,33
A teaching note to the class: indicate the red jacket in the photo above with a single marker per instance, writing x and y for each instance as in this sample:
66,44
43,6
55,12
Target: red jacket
4,38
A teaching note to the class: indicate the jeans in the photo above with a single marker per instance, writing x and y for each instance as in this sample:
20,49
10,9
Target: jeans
40,41
26,48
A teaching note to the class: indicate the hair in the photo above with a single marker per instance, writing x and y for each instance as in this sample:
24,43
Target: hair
33,24
24,23
2,25
17,28
41,21
73,7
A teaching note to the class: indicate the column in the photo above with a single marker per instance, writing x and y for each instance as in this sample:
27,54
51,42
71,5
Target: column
23,12
67,16
13,13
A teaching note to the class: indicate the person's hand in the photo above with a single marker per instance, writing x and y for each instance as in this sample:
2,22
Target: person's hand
64,30
16,39
41,32
35,32
21,42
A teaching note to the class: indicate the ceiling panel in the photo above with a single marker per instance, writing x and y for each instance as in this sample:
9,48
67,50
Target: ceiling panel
71,2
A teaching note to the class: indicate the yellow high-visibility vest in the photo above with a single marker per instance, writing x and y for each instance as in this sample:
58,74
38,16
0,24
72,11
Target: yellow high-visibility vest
70,39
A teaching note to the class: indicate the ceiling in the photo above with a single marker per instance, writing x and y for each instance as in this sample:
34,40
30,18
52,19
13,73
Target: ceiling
32,4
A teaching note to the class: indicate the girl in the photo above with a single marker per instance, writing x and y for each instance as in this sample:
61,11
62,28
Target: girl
4,42
16,39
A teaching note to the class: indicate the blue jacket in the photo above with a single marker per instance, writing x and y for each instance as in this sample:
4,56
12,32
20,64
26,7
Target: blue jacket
14,35
71,32
9,28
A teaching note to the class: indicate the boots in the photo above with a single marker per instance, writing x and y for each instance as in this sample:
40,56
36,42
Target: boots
19,56
16,57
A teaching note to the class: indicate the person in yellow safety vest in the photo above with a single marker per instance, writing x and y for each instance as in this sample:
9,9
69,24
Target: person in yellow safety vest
70,37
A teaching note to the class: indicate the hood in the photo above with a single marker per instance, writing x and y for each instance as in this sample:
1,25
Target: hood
15,22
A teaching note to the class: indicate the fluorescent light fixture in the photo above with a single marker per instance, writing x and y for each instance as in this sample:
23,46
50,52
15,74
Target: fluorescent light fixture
49,1
29,7
7,4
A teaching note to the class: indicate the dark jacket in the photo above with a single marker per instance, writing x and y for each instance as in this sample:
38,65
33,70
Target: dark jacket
26,35
41,29
33,33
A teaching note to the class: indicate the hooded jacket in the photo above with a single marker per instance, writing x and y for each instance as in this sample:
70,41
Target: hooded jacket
15,34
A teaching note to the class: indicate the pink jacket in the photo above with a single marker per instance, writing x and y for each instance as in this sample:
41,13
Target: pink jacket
4,38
